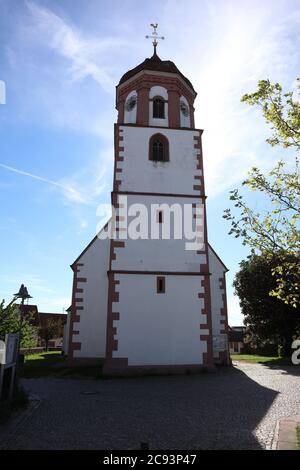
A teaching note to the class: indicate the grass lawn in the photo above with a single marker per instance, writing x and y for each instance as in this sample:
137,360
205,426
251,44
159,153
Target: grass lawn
298,436
255,359
42,364
48,356
52,363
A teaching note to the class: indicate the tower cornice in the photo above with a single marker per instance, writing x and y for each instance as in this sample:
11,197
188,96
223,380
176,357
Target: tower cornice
151,75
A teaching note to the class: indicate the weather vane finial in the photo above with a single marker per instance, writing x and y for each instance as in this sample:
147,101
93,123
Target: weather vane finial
154,36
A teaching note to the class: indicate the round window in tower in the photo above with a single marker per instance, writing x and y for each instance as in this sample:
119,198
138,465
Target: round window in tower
184,108
131,103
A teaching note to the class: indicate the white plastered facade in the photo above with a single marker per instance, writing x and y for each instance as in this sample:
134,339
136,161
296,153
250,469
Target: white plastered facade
93,317
175,176
160,329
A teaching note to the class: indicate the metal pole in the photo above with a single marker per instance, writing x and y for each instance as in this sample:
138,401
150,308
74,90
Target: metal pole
1,378
12,382
16,372
22,294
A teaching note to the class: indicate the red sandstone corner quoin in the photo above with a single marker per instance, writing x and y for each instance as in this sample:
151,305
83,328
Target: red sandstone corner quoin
76,308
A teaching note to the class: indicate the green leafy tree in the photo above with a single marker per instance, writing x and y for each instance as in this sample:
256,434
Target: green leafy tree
274,232
268,320
49,331
10,323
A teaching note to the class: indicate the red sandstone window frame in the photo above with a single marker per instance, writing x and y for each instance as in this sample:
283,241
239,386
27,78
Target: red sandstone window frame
161,284
161,138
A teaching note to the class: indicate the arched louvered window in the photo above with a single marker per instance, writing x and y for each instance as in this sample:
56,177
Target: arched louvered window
158,108
159,148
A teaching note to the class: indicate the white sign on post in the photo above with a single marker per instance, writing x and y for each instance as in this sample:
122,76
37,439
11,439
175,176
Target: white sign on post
11,349
2,352
8,358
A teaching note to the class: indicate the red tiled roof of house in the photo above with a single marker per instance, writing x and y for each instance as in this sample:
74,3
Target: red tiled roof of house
45,316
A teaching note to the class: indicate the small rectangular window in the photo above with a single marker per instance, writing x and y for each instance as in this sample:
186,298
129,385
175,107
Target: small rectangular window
161,285
159,217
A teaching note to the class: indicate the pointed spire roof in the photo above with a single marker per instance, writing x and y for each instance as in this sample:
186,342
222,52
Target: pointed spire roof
155,64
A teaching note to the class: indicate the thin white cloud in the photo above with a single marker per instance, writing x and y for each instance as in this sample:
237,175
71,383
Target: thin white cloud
91,178
87,56
82,187
32,281
68,75
69,192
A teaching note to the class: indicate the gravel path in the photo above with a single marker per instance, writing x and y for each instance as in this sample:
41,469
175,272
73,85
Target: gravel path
233,408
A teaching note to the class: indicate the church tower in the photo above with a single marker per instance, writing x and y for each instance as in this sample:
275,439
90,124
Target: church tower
165,308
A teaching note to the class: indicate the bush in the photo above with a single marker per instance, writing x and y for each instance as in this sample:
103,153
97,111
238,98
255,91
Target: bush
268,320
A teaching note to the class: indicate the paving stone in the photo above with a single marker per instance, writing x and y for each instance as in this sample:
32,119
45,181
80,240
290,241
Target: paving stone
287,437
286,445
233,408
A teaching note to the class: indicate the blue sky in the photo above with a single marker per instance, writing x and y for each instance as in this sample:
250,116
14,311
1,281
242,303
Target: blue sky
61,60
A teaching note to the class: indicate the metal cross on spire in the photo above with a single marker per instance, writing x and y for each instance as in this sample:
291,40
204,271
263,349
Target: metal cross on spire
154,36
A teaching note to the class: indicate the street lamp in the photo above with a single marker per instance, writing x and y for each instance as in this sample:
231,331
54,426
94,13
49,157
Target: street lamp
23,295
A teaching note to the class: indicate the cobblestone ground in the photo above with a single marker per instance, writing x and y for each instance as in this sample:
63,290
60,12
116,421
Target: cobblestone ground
235,408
